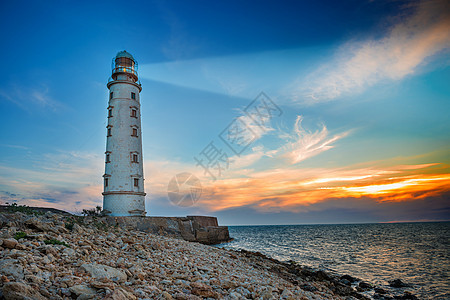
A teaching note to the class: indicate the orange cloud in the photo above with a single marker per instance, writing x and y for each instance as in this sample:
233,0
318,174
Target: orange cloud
296,189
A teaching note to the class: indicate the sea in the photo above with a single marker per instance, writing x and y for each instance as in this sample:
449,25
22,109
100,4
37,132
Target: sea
416,253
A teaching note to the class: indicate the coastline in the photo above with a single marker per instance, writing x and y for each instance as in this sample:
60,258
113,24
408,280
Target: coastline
54,256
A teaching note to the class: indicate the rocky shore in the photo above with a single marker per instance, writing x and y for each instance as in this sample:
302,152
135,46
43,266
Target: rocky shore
58,256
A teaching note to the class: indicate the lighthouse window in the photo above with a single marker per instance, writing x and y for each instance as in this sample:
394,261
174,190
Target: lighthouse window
133,96
134,132
111,95
108,158
134,112
110,112
106,182
135,158
136,182
109,131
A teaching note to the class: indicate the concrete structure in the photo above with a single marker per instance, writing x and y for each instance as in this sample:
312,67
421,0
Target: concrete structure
124,176
202,229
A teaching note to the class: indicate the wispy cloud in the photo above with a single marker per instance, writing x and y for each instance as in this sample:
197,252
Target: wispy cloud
29,98
423,31
303,144
15,146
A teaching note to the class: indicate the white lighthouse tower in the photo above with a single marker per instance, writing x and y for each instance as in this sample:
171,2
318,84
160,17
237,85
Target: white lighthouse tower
123,193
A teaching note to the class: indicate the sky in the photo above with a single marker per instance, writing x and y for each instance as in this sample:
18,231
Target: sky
301,112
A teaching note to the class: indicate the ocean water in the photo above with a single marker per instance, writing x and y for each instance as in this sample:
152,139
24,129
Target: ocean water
416,253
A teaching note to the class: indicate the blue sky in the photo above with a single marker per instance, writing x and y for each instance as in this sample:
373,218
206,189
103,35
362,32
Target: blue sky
362,87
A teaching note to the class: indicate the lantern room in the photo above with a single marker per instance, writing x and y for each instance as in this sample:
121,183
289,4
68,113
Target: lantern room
124,67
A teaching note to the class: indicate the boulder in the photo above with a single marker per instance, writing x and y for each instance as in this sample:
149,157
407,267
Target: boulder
35,223
397,283
83,291
102,271
20,291
380,291
11,267
77,228
9,243
34,279
364,285
203,290
351,279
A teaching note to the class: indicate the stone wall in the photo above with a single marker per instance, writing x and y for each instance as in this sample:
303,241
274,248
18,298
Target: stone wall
202,229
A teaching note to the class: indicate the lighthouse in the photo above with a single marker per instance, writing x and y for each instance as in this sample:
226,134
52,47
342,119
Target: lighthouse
123,193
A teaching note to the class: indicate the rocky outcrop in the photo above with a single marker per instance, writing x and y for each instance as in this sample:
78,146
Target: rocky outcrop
85,258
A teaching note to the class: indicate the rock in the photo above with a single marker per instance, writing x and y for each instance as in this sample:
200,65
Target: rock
34,279
103,283
308,287
397,283
102,271
287,294
235,296
83,291
246,293
77,228
44,292
20,291
266,295
68,252
203,290
9,243
364,285
121,294
49,249
36,223
321,275
380,291
349,278
46,260
166,295
11,267
65,292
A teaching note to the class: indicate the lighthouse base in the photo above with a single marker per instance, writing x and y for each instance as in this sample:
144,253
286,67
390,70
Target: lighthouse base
117,204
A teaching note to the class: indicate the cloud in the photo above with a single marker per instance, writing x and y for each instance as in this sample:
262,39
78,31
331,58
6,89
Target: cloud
29,98
303,144
244,131
296,190
243,161
58,180
407,45
15,146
